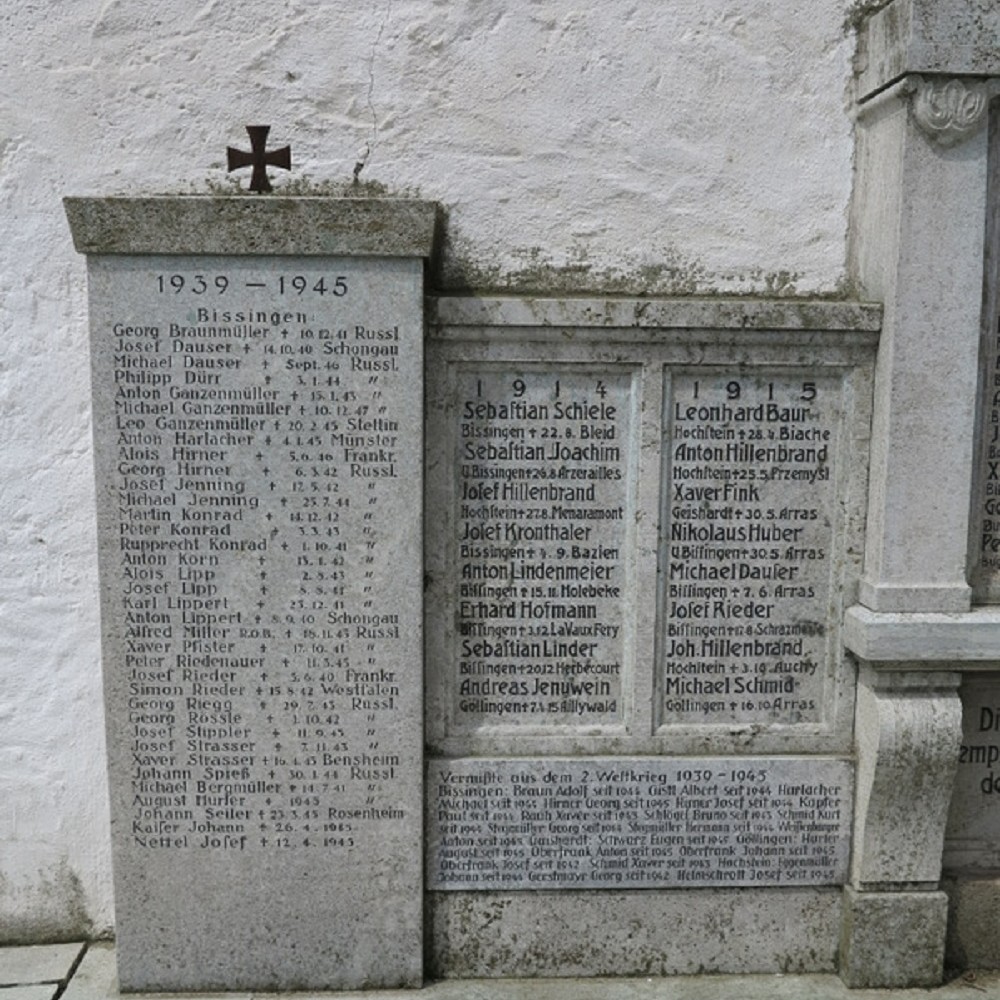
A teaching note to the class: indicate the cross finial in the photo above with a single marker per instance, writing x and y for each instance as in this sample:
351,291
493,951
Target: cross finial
259,158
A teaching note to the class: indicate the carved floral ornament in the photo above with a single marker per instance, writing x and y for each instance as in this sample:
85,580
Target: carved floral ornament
948,109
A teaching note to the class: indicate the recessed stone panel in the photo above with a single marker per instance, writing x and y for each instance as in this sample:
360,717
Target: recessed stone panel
543,501
748,552
645,822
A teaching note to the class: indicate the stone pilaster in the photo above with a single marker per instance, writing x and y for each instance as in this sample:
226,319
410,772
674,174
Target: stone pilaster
909,728
925,78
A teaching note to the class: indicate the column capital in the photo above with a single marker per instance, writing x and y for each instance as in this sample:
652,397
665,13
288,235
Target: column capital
948,110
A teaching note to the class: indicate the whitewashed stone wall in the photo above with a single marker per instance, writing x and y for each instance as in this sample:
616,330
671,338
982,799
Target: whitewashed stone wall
701,146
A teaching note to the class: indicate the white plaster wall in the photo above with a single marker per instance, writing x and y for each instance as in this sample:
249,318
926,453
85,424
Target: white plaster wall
695,146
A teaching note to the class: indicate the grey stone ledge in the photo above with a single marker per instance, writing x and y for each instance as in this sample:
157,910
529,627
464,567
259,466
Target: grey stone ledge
944,37
96,980
654,313
967,640
246,225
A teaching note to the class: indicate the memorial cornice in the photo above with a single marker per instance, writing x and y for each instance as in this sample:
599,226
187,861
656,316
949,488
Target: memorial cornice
251,225
689,313
967,640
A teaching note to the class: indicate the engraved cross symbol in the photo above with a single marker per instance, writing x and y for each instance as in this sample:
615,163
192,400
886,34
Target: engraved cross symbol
259,158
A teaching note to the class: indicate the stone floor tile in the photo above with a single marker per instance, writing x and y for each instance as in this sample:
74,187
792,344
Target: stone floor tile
96,979
37,963
42,991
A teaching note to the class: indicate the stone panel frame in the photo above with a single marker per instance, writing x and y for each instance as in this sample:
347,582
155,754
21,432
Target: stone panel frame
648,339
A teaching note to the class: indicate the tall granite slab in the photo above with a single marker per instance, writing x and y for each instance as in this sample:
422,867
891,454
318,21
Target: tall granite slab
643,526
257,383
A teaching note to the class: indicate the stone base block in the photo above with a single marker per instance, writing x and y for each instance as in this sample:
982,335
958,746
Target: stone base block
893,939
973,918
473,935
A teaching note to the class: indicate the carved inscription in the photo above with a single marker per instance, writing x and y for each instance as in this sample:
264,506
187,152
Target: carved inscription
644,822
987,573
749,511
257,435
984,542
542,508
974,817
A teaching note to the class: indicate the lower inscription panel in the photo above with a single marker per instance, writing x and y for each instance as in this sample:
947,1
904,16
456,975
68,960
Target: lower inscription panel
640,822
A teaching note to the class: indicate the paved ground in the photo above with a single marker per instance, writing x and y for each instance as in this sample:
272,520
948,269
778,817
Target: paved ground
79,972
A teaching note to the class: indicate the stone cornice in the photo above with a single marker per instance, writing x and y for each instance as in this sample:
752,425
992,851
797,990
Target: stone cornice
249,224
951,38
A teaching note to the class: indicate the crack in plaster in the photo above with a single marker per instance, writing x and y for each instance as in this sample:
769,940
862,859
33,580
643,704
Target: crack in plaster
365,154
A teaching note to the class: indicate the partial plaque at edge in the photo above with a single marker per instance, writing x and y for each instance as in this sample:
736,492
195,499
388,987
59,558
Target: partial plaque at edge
972,838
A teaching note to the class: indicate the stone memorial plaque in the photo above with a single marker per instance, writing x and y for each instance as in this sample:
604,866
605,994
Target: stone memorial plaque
543,501
984,542
747,561
643,822
258,438
577,472
972,840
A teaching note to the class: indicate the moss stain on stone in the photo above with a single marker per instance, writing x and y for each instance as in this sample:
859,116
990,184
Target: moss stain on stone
301,186
57,914
859,12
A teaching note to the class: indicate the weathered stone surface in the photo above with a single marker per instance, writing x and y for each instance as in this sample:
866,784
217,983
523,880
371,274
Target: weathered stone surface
383,227
908,726
971,639
632,933
96,980
466,313
892,939
973,917
97,977
928,36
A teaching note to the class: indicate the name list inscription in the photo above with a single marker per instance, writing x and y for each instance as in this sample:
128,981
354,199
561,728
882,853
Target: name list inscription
987,573
750,507
644,822
543,499
252,477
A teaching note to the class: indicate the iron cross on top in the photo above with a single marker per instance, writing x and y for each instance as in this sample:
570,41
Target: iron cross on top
259,158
